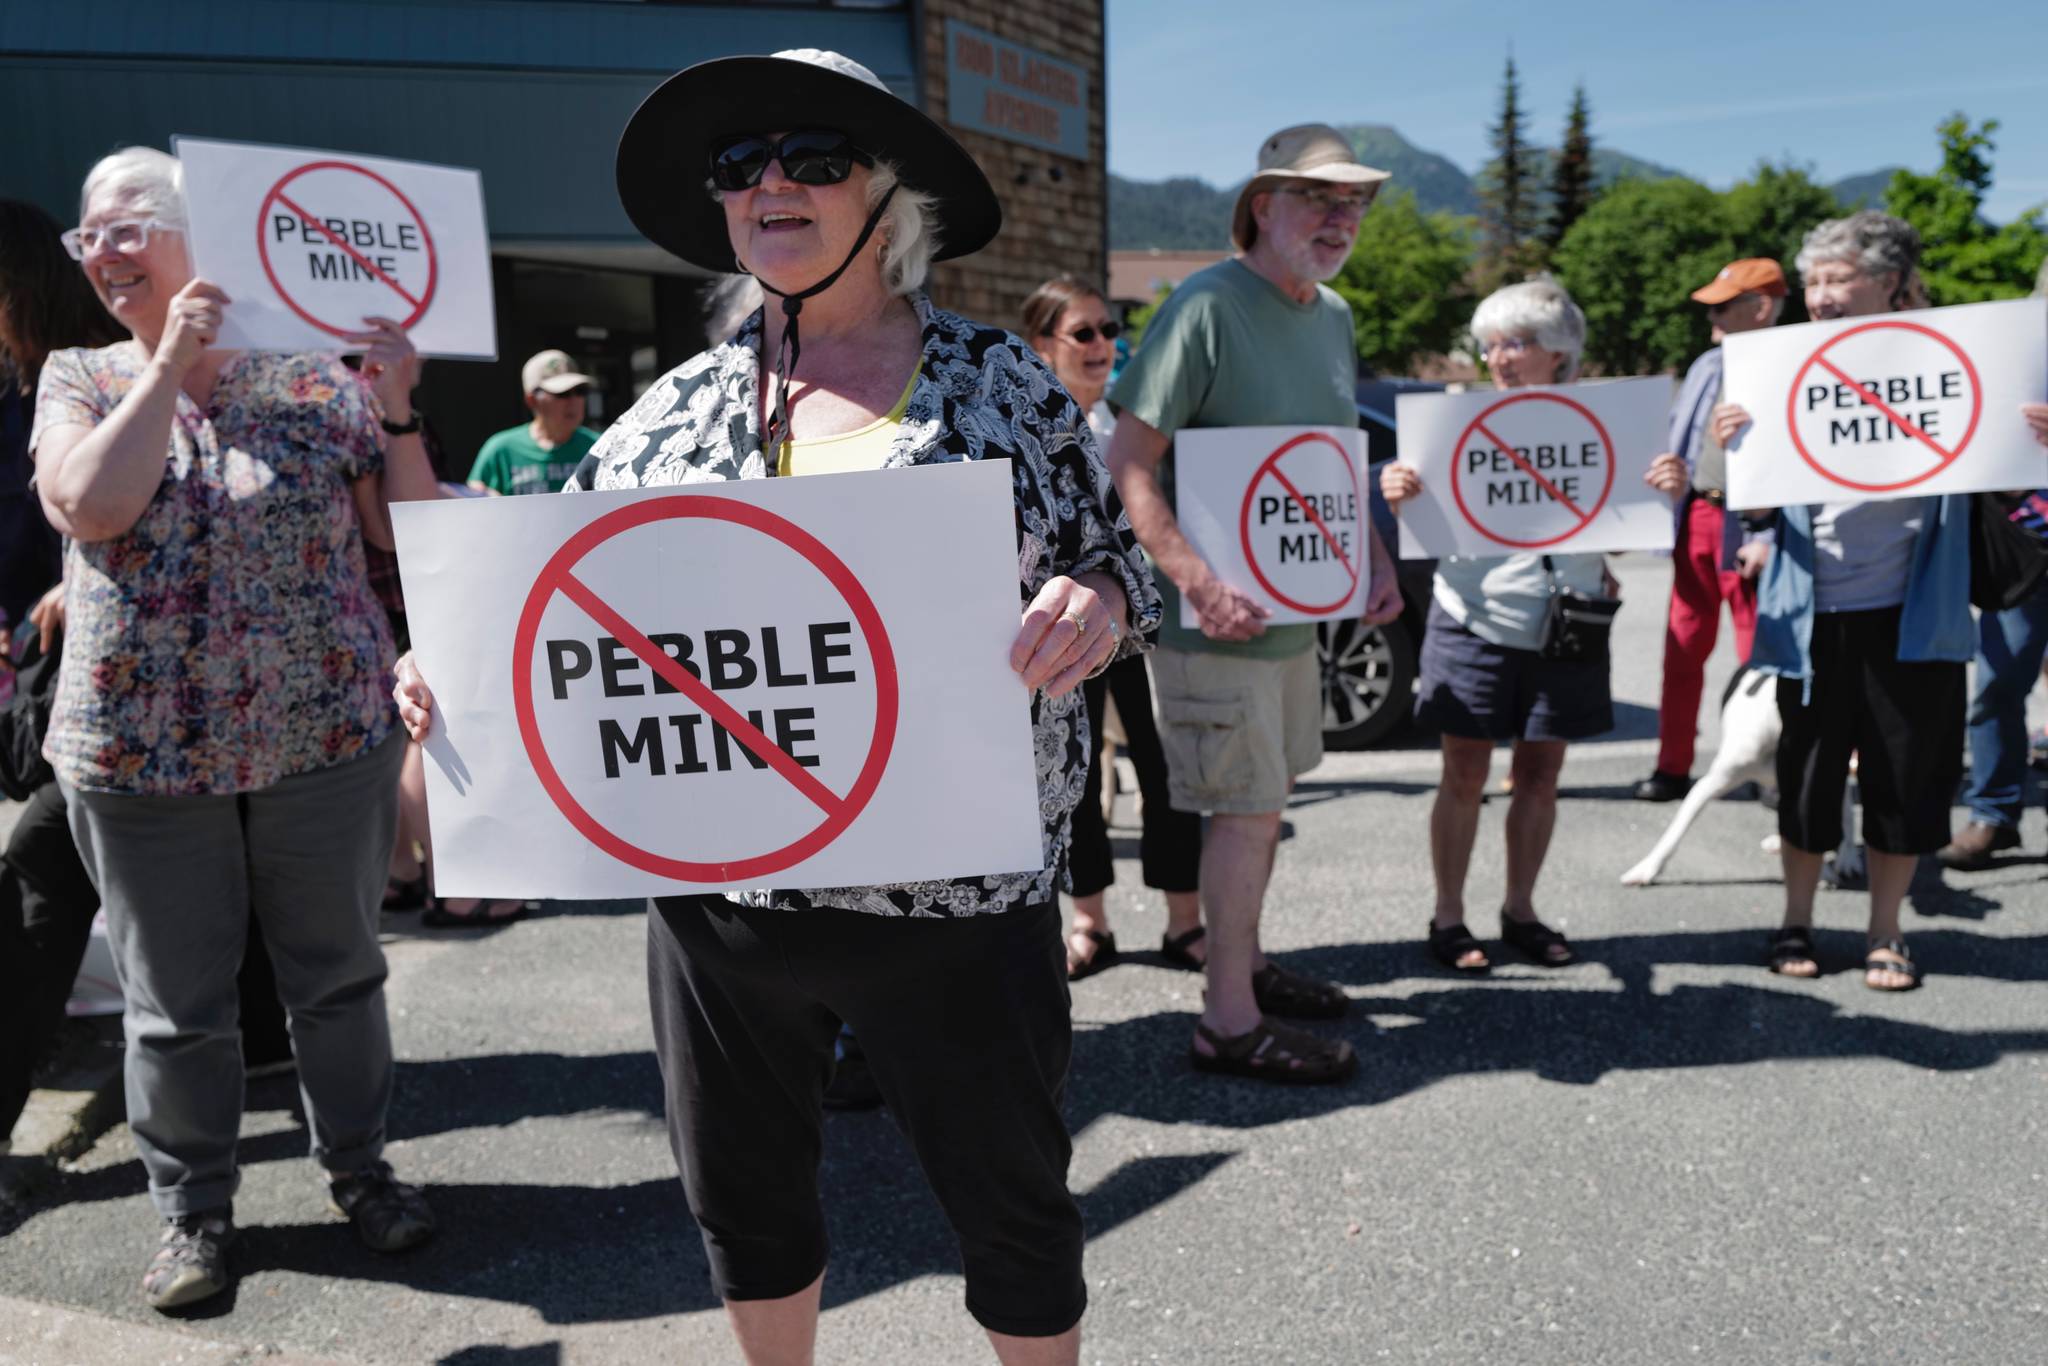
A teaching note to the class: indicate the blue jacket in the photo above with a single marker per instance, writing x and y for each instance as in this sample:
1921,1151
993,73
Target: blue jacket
1935,623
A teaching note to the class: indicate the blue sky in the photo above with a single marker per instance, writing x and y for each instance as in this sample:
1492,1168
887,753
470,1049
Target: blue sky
1706,88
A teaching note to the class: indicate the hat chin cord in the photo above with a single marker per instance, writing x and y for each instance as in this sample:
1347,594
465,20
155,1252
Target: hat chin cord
792,305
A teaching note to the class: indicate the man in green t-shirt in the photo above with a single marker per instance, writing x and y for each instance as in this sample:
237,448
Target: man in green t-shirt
540,456
1253,341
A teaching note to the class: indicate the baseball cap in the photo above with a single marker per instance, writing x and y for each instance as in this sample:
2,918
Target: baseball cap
552,371
1307,151
1753,275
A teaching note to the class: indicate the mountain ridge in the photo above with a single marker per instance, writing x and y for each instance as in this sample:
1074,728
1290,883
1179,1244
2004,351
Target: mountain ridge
1187,213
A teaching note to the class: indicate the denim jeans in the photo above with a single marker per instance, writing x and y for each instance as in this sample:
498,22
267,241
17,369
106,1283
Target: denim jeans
2009,649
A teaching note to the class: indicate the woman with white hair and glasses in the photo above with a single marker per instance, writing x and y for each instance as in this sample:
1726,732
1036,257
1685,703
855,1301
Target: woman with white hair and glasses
836,196
1485,675
1863,614
221,730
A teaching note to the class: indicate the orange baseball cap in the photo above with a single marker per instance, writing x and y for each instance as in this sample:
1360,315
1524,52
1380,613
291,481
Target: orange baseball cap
1755,275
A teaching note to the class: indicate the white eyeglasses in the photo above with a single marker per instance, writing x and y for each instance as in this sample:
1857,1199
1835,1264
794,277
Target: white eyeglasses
127,234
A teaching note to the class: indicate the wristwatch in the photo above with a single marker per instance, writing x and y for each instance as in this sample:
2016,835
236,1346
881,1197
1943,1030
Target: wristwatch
402,428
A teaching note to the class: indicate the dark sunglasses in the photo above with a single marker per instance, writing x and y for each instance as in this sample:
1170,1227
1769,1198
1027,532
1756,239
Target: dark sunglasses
814,156
1086,335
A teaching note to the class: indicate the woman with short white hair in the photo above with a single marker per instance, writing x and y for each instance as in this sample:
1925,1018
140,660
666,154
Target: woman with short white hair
221,732
1863,615
1486,674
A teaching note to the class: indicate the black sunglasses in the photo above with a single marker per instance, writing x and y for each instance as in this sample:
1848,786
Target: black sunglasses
1086,335
814,156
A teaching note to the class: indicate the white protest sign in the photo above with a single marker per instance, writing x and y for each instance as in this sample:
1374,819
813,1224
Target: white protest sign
307,244
1896,406
1280,514
1550,468
761,683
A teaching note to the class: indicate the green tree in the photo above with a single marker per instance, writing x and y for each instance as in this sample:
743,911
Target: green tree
1406,282
1141,317
1571,172
1965,259
1632,260
1507,200
1770,214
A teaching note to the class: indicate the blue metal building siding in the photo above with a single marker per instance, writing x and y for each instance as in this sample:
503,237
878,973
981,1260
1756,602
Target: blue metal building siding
531,92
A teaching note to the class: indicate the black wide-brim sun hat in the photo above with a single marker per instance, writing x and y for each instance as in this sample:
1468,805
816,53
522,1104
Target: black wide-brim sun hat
664,164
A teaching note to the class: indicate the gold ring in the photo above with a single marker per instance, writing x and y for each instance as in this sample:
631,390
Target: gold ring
1080,622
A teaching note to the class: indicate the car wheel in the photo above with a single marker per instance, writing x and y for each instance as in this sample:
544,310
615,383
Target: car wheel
1368,681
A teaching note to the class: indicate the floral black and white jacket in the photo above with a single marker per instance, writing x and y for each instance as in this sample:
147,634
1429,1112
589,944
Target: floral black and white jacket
980,393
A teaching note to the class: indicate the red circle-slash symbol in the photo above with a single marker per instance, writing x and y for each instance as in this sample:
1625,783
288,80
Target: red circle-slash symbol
279,195
1944,457
558,576
1585,516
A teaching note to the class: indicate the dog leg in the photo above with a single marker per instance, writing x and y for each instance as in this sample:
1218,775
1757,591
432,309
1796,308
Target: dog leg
1749,746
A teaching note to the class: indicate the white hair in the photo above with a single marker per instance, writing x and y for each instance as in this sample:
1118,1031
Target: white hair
1538,309
1876,244
908,236
149,181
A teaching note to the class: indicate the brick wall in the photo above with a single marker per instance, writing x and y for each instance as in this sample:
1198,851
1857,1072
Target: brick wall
1049,226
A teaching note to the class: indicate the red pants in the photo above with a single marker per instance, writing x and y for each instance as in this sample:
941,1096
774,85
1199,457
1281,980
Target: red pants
1698,588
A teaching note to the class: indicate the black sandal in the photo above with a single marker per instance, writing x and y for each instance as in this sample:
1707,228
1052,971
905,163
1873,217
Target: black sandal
1791,944
439,917
1907,968
1280,992
400,897
1104,957
1450,943
1537,942
1275,1052
1174,949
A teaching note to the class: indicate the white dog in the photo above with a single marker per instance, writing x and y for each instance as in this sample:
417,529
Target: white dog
1749,754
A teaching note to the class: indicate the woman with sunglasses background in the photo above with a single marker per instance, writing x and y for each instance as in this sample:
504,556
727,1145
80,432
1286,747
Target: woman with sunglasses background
1069,323
837,204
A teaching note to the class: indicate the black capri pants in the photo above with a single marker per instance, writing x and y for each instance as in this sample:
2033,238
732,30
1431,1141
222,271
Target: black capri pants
1170,849
965,1025
1903,721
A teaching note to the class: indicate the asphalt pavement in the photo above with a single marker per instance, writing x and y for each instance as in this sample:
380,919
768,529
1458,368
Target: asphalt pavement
1661,1154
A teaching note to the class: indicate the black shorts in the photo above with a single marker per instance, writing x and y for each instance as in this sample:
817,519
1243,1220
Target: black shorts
965,1025
1904,722
1477,690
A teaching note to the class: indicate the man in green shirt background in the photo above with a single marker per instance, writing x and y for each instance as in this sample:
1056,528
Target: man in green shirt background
1253,341
540,456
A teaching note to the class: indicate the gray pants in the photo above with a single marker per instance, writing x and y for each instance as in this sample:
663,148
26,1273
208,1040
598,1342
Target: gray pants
180,877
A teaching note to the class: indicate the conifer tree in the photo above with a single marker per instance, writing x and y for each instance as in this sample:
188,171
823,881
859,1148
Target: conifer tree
1571,173
1506,197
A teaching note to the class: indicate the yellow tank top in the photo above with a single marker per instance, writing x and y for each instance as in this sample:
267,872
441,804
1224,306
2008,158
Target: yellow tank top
863,448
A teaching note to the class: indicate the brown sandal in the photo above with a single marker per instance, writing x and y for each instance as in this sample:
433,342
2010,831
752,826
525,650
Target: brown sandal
1280,992
1276,1053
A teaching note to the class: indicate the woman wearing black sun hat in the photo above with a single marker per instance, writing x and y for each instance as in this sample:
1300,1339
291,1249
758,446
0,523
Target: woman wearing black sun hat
802,170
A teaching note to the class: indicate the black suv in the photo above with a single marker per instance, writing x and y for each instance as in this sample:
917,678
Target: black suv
1369,671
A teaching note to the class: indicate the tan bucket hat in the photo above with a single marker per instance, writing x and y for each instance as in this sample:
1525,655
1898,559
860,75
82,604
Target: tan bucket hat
1307,151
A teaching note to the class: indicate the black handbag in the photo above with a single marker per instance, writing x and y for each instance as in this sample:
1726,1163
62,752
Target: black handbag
1576,626
2007,561
26,720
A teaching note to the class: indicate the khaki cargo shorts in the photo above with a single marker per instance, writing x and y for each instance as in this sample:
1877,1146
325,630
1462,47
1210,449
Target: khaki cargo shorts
1236,732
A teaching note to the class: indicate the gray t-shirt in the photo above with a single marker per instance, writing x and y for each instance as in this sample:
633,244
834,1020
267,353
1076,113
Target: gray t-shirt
1863,553
1503,599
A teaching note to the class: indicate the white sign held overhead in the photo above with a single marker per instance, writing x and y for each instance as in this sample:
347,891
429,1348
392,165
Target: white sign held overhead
1556,468
308,244
727,685
1896,406
1280,514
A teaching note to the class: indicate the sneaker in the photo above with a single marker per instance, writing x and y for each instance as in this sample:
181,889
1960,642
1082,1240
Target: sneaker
191,1260
1972,850
389,1215
1663,787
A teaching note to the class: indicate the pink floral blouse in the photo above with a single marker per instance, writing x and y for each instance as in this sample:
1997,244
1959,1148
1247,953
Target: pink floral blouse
229,638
